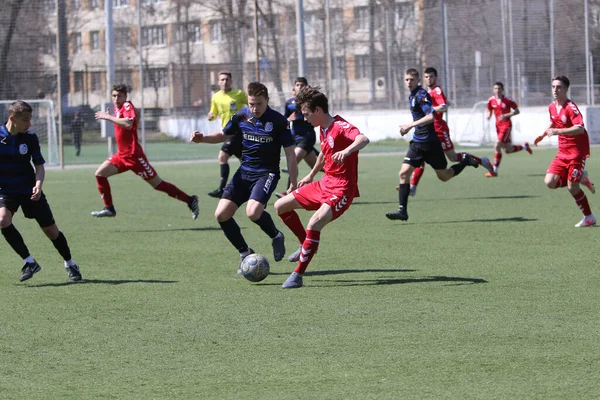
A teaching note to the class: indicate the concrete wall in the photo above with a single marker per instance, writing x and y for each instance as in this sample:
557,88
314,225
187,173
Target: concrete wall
468,127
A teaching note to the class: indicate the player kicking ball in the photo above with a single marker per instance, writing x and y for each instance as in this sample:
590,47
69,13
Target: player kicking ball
334,193
567,168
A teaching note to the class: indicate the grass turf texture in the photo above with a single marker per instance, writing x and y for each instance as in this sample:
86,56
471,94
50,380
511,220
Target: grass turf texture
488,291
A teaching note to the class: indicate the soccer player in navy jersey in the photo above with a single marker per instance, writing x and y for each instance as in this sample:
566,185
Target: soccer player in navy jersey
424,146
264,132
21,186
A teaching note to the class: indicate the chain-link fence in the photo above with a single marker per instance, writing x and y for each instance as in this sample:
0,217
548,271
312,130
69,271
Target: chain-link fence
356,50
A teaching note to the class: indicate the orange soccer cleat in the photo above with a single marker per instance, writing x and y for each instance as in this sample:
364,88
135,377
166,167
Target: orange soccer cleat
491,174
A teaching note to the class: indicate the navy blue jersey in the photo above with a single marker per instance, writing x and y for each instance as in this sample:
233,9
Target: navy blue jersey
262,139
420,106
300,128
17,175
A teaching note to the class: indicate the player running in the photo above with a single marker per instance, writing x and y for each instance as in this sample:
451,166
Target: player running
130,156
264,132
504,109
439,103
567,168
334,193
424,146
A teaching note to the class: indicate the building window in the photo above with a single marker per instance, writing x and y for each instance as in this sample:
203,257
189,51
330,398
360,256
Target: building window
95,40
361,17
404,16
150,2
76,5
78,81
122,38
96,79
49,45
313,24
154,35
120,3
216,32
123,76
76,42
193,33
94,4
361,67
337,21
156,77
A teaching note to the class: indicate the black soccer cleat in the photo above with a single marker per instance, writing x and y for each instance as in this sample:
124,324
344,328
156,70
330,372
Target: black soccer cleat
401,214
105,212
217,193
193,205
28,270
73,271
468,160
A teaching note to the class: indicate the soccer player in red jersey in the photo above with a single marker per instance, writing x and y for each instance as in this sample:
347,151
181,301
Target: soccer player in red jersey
333,194
567,168
130,156
504,109
440,106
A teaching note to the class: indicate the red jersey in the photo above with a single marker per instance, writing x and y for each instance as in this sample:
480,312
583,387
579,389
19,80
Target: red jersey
438,98
339,135
499,107
569,146
127,140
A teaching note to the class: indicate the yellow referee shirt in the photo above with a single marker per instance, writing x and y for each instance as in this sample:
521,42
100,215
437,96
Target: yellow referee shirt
227,104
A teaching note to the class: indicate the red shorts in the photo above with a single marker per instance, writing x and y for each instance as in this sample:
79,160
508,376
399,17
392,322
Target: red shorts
314,195
445,140
504,134
567,169
137,163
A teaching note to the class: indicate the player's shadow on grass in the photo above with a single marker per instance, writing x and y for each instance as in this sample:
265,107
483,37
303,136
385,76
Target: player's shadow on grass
101,282
344,271
513,197
507,219
450,280
366,203
206,228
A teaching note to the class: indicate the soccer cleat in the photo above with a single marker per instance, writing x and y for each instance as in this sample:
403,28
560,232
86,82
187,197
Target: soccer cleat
250,251
587,182
527,148
287,171
468,160
295,256
105,212
193,205
413,190
294,281
401,214
587,221
491,174
278,246
280,195
28,270
487,164
73,271
217,193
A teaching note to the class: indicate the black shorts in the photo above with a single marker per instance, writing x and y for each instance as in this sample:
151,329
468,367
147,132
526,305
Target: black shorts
38,210
306,142
233,146
430,152
243,187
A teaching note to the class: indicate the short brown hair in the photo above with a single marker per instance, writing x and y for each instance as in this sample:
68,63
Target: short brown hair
565,81
313,98
121,88
19,107
223,72
412,72
256,89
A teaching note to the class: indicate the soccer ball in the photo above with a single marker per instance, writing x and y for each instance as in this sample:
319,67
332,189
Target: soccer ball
255,267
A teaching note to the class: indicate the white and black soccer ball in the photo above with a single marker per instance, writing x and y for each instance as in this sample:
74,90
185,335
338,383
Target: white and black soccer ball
255,267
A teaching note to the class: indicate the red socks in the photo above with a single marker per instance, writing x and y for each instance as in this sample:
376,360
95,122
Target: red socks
309,248
582,203
173,191
104,189
417,174
292,221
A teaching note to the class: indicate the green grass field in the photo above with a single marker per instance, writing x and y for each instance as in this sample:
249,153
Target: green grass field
487,292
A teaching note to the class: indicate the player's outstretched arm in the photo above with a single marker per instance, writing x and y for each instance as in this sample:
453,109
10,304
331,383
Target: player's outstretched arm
216,137
292,166
126,123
